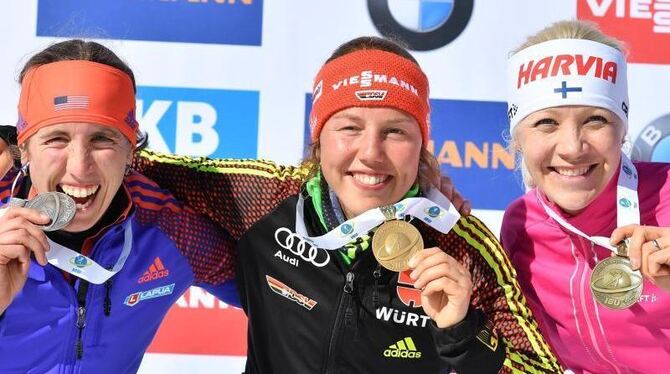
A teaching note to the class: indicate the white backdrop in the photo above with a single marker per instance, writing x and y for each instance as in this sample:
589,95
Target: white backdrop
237,98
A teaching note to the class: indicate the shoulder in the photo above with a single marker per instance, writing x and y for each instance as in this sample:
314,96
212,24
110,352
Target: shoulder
147,195
228,166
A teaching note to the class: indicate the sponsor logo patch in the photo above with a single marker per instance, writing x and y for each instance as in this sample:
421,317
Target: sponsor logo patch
283,290
403,348
134,298
156,271
409,295
401,317
371,95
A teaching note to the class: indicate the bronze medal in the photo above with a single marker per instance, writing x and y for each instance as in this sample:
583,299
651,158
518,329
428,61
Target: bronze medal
394,243
614,283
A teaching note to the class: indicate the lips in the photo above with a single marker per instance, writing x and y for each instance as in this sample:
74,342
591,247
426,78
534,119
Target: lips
572,171
370,179
82,196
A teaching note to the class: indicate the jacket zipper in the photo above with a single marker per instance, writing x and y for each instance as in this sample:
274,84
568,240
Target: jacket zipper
344,304
81,317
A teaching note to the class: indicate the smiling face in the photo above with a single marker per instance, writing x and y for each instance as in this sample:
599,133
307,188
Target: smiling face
370,156
85,161
571,152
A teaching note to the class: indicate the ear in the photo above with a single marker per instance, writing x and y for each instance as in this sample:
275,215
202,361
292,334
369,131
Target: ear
25,156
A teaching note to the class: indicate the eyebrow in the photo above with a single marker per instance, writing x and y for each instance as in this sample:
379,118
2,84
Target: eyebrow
103,132
395,120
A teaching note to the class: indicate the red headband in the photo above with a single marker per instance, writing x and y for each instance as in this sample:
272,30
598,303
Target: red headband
76,91
370,78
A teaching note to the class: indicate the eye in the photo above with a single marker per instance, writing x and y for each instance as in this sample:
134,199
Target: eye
102,139
545,122
395,131
596,119
56,140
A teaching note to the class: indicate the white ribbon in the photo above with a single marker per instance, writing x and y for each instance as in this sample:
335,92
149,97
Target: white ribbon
434,209
628,207
82,266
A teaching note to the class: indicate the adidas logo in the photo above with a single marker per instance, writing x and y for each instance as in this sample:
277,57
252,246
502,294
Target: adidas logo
156,271
404,348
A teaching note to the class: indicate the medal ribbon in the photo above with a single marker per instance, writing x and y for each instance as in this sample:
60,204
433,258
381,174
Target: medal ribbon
434,209
628,207
83,267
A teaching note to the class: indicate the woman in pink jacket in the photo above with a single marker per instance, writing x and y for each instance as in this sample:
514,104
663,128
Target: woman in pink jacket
604,307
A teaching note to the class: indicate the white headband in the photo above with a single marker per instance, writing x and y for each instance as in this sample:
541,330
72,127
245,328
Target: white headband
566,72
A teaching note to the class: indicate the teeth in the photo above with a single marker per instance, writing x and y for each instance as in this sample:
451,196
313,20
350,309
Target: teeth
572,172
370,180
79,191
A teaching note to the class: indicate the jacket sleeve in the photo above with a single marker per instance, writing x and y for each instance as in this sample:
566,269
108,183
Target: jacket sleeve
233,193
499,328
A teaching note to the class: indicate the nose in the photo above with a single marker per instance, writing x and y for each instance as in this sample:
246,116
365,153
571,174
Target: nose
570,143
79,161
371,147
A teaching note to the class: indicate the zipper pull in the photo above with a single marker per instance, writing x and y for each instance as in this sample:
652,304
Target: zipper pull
81,323
377,274
349,283
107,304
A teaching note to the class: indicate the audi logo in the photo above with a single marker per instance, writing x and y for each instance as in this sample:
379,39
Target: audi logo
302,248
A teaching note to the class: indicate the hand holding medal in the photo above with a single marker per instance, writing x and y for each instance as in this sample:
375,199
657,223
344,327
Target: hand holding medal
445,284
649,251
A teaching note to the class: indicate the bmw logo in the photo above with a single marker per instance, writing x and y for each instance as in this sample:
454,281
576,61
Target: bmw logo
347,229
421,24
653,142
80,261
625,203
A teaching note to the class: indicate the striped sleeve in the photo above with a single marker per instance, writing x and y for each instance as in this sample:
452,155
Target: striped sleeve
209,250
233,193
497,293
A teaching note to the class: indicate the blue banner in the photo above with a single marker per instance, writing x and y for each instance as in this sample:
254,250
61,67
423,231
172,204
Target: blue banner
190,21
200,122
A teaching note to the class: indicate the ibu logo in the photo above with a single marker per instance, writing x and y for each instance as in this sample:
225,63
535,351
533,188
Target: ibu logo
434,211
625,203
200,122
80,261
347,229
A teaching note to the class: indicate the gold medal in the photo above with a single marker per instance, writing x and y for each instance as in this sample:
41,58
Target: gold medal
394,243
614,283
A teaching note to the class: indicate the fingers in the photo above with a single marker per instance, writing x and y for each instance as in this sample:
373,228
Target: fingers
18,228
446,186
658,257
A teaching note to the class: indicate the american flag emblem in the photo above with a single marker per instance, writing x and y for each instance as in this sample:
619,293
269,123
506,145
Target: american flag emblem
70,102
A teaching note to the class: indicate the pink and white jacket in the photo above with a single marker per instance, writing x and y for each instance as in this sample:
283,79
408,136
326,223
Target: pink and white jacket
554,267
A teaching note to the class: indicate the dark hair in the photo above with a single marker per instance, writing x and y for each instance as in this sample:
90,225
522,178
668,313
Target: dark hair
429,167
77,49
372,42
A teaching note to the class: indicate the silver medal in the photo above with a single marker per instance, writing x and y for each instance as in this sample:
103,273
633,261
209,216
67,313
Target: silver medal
57,205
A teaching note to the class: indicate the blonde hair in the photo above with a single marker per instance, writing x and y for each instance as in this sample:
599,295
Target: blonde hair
567,29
